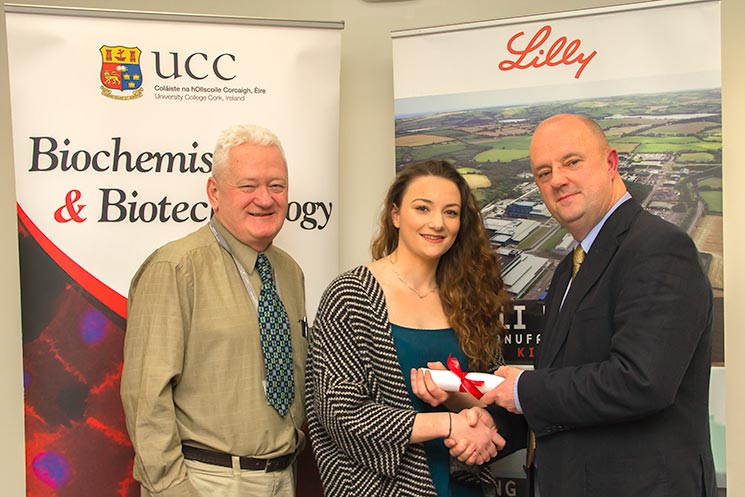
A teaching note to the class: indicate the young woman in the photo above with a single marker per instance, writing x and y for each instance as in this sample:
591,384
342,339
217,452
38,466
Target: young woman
433,290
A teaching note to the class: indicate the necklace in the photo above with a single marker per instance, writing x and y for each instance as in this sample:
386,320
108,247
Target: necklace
408,285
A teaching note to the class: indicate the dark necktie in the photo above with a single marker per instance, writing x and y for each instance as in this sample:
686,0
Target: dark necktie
577,258
274,330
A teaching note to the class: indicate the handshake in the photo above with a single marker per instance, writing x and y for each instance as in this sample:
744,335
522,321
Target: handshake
472,435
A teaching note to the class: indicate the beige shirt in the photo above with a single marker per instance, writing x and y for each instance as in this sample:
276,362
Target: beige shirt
193,364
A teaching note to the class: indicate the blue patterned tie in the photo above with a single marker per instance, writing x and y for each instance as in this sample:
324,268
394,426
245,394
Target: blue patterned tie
274,330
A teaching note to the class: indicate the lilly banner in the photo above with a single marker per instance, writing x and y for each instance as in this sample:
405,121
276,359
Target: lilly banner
115,116
649,73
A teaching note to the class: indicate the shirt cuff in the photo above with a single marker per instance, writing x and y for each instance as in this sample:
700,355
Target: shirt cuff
514,393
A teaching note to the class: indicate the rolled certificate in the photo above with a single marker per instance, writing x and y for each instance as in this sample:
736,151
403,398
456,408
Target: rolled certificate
450,382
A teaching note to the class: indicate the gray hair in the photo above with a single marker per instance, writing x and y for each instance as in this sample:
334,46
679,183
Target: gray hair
238,135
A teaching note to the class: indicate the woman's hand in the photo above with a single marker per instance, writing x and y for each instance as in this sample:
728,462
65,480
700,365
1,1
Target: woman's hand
425,388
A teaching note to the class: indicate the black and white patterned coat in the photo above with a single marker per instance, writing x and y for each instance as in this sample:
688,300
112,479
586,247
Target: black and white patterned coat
359,413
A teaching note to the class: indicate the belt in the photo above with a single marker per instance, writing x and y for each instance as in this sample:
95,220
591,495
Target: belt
226,460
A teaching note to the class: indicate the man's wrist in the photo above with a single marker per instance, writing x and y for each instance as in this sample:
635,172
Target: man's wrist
515,394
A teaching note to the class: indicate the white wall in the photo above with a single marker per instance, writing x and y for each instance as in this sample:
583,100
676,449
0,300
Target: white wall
11,384
367,155
733,177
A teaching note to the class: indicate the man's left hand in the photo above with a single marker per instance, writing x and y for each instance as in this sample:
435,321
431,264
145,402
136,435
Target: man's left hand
504,394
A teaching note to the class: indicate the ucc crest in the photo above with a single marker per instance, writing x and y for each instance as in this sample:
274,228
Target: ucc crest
120,71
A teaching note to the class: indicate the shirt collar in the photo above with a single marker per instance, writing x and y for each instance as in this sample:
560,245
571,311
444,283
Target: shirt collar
245,254
593,234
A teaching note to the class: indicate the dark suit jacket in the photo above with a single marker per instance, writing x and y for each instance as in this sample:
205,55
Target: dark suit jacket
619,396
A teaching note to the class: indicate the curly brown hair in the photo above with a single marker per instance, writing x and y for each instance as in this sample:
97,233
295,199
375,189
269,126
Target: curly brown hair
468,275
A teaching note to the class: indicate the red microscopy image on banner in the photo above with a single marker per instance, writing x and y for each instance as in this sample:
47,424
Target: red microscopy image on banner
76,438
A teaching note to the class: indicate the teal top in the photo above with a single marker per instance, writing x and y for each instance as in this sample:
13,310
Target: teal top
415,348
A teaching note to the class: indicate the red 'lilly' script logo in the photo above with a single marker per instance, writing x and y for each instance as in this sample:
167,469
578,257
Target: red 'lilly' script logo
535,55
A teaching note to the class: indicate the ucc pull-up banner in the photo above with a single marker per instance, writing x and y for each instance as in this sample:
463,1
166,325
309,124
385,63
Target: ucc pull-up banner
114,116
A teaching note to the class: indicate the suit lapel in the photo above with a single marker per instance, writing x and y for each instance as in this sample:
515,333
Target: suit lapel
558,321
551,341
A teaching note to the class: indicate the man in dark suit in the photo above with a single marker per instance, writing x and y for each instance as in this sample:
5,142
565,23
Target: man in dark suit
618,399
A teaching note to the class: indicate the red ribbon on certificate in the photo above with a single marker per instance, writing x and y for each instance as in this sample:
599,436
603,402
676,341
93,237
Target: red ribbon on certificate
466,385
